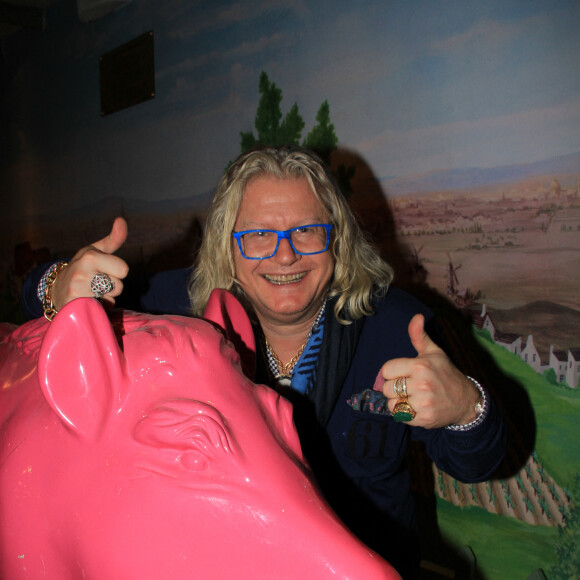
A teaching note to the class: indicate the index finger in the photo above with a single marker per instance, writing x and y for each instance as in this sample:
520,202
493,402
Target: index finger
395,368
108,264
385,383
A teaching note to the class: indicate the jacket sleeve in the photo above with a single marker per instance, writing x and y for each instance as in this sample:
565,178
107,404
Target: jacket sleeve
161,293
166,293
469,456
31,304
472,455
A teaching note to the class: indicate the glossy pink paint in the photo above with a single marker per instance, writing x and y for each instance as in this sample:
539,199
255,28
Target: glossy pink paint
134,447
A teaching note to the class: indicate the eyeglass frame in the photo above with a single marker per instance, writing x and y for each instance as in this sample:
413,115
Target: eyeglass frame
283,235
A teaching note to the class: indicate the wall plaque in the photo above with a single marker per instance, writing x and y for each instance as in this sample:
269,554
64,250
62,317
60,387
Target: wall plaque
127,74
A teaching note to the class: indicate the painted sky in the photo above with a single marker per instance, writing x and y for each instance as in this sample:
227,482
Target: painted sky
413,86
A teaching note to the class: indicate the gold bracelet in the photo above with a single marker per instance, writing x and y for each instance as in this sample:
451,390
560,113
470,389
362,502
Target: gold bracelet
49,309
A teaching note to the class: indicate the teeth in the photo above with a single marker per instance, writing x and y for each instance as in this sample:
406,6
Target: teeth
285,279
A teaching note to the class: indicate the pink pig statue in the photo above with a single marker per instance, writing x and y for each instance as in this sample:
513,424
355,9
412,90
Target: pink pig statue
134,447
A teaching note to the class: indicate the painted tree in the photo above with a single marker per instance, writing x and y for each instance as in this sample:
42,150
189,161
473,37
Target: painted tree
550,376
322,137
273,129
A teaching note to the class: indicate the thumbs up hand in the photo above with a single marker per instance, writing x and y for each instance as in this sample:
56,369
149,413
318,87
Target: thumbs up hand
439,392
75,281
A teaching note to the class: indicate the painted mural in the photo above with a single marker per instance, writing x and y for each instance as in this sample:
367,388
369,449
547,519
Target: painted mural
455,131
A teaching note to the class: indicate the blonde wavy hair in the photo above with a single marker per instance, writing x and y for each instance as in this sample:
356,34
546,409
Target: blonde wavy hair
360,273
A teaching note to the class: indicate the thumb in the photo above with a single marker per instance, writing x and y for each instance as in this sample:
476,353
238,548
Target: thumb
419,338
115,239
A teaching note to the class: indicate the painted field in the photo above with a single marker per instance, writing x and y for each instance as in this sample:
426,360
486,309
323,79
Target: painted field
508,548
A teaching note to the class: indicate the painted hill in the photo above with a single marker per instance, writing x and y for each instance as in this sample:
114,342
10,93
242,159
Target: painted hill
472,177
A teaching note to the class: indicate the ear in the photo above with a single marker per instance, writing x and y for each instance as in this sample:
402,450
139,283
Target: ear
81,367
224,309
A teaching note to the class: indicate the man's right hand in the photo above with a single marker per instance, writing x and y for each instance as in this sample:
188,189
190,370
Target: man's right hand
75,280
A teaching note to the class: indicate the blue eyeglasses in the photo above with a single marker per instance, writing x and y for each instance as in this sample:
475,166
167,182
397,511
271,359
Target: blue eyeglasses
263,244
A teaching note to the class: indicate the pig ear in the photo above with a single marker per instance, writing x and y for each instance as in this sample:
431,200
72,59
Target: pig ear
80,367
224,309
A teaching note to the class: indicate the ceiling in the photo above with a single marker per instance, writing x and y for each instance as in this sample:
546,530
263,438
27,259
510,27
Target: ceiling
18,14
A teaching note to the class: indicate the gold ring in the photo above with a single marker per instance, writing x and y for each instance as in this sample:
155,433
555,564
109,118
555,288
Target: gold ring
400,387
403,411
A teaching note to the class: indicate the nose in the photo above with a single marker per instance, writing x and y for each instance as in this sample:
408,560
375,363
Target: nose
285,253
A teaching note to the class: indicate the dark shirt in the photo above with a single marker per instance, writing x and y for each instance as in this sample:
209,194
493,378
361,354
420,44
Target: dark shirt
359,457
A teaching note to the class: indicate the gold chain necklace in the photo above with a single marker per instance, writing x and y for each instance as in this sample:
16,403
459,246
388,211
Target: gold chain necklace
285,368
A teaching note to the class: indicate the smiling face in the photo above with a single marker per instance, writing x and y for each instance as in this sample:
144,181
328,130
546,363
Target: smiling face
287,288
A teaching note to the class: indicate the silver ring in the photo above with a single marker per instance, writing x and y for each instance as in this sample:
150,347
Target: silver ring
101,284
400,387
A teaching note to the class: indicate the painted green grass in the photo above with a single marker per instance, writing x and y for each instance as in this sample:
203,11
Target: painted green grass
508,549
557,411
505,548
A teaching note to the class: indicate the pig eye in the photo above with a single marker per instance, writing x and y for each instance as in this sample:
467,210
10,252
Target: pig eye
194,461
196,429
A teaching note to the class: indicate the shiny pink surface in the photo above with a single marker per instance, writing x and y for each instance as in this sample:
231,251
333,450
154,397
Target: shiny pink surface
138,449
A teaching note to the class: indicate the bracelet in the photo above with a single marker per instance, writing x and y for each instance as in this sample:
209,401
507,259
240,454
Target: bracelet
481,408
49,309
41,290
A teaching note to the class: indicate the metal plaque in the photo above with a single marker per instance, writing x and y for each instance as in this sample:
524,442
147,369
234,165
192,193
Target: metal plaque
127,74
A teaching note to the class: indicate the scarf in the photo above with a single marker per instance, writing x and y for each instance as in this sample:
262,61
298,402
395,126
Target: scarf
328,369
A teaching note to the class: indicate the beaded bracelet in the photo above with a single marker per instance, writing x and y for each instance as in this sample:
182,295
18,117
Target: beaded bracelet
480,408
49,309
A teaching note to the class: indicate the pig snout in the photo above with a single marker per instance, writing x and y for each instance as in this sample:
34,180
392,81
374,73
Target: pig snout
256,500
